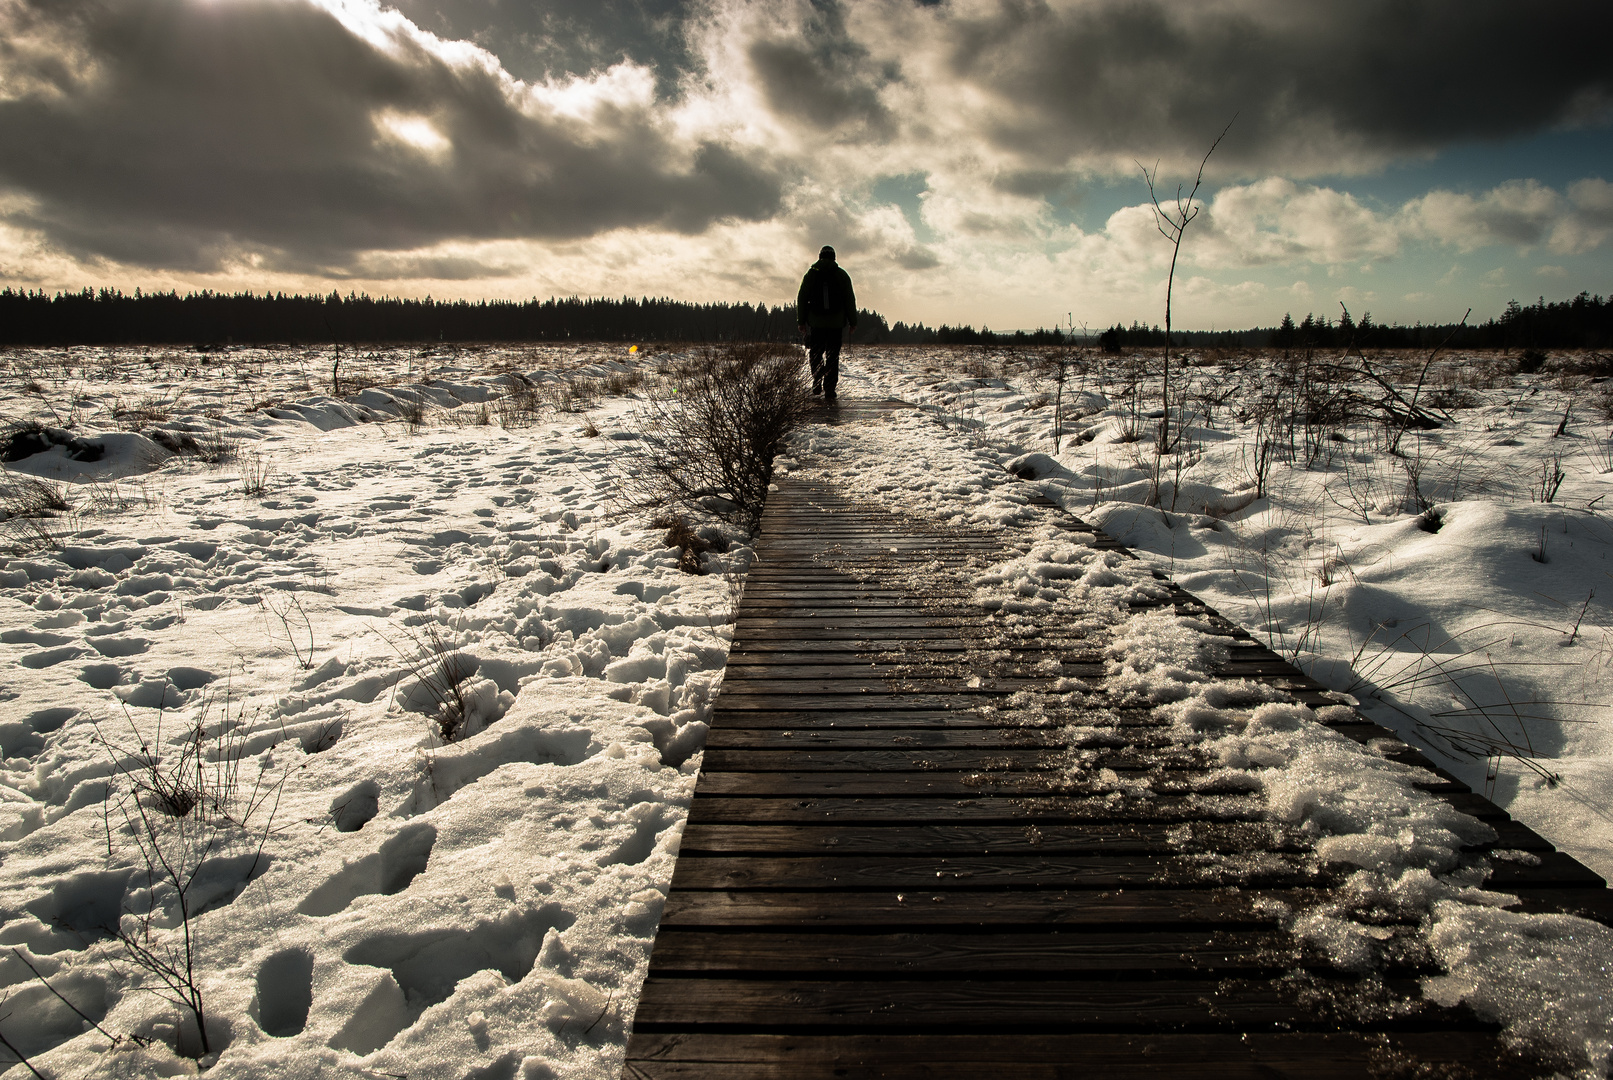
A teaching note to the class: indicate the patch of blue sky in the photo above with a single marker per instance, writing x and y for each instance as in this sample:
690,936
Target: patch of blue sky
903,192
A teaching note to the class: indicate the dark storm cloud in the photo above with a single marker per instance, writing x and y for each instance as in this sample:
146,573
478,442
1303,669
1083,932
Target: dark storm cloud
821,76
806,84
177,132
1312,84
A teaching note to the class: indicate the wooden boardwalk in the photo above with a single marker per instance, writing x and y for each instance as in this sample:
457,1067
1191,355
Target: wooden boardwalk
887,873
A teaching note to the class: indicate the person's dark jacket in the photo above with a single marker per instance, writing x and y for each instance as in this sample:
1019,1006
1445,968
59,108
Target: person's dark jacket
826,299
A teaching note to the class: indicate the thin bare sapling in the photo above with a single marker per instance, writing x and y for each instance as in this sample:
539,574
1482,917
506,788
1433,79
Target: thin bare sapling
1172,224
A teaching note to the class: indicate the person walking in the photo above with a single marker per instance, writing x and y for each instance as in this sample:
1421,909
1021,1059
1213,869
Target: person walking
823,308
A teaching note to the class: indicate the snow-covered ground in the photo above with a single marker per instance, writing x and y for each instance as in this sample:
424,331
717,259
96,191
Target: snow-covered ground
376,902
430,909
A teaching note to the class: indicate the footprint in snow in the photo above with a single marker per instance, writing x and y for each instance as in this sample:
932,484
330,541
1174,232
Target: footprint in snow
51,657
285,993
385,872
33,637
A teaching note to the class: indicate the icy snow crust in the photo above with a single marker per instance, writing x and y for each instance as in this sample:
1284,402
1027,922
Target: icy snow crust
485,909
1548,979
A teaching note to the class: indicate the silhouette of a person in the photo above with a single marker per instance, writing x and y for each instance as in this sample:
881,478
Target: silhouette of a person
823,308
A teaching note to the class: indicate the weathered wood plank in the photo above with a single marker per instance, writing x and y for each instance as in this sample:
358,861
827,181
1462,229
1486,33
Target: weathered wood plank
931,759
939,873
985,1006
975,807
1136,909
885,738
1247,1055
1069,954
729,714
913,784
1041,840
855,680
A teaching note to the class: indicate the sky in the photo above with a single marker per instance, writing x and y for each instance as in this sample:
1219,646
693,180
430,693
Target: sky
972,161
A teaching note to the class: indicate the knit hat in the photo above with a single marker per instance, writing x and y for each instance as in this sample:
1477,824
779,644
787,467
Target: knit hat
827,253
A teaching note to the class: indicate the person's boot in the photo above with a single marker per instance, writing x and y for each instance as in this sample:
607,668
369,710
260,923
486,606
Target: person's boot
817,386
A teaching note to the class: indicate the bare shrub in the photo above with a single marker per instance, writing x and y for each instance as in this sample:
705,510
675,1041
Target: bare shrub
574,394
1550,479
522,405
256,472
412,409
1455,692
31,497
143,413
181,810
214,446
296,627
441,669
708,435
681,535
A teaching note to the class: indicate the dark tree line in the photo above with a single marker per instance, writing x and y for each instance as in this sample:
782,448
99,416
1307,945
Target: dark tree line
1584,322
919,334
110,317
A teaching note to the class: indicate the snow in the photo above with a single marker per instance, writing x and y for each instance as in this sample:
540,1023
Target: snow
417,907
485,907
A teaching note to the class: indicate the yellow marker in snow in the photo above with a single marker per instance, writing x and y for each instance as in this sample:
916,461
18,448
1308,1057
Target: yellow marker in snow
633,349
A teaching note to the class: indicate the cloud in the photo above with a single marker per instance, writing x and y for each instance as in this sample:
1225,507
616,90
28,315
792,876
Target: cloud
1324,87
1278,221
1523,213
705,148
184,133
535,41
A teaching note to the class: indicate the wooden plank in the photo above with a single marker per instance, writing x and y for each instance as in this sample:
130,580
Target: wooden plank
1113,838
936,873
963,701
917,639
853,680
896,665
932,759
1066,953
736,738
729,714
745,635
1247,1055
987,1006
755,671
913,784
1134,909
871,627
812,606
976,807
1013,659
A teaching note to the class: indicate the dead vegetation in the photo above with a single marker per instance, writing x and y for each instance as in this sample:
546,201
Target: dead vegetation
709,431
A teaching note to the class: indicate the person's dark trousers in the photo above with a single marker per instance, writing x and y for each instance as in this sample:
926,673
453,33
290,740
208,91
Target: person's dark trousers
823,352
